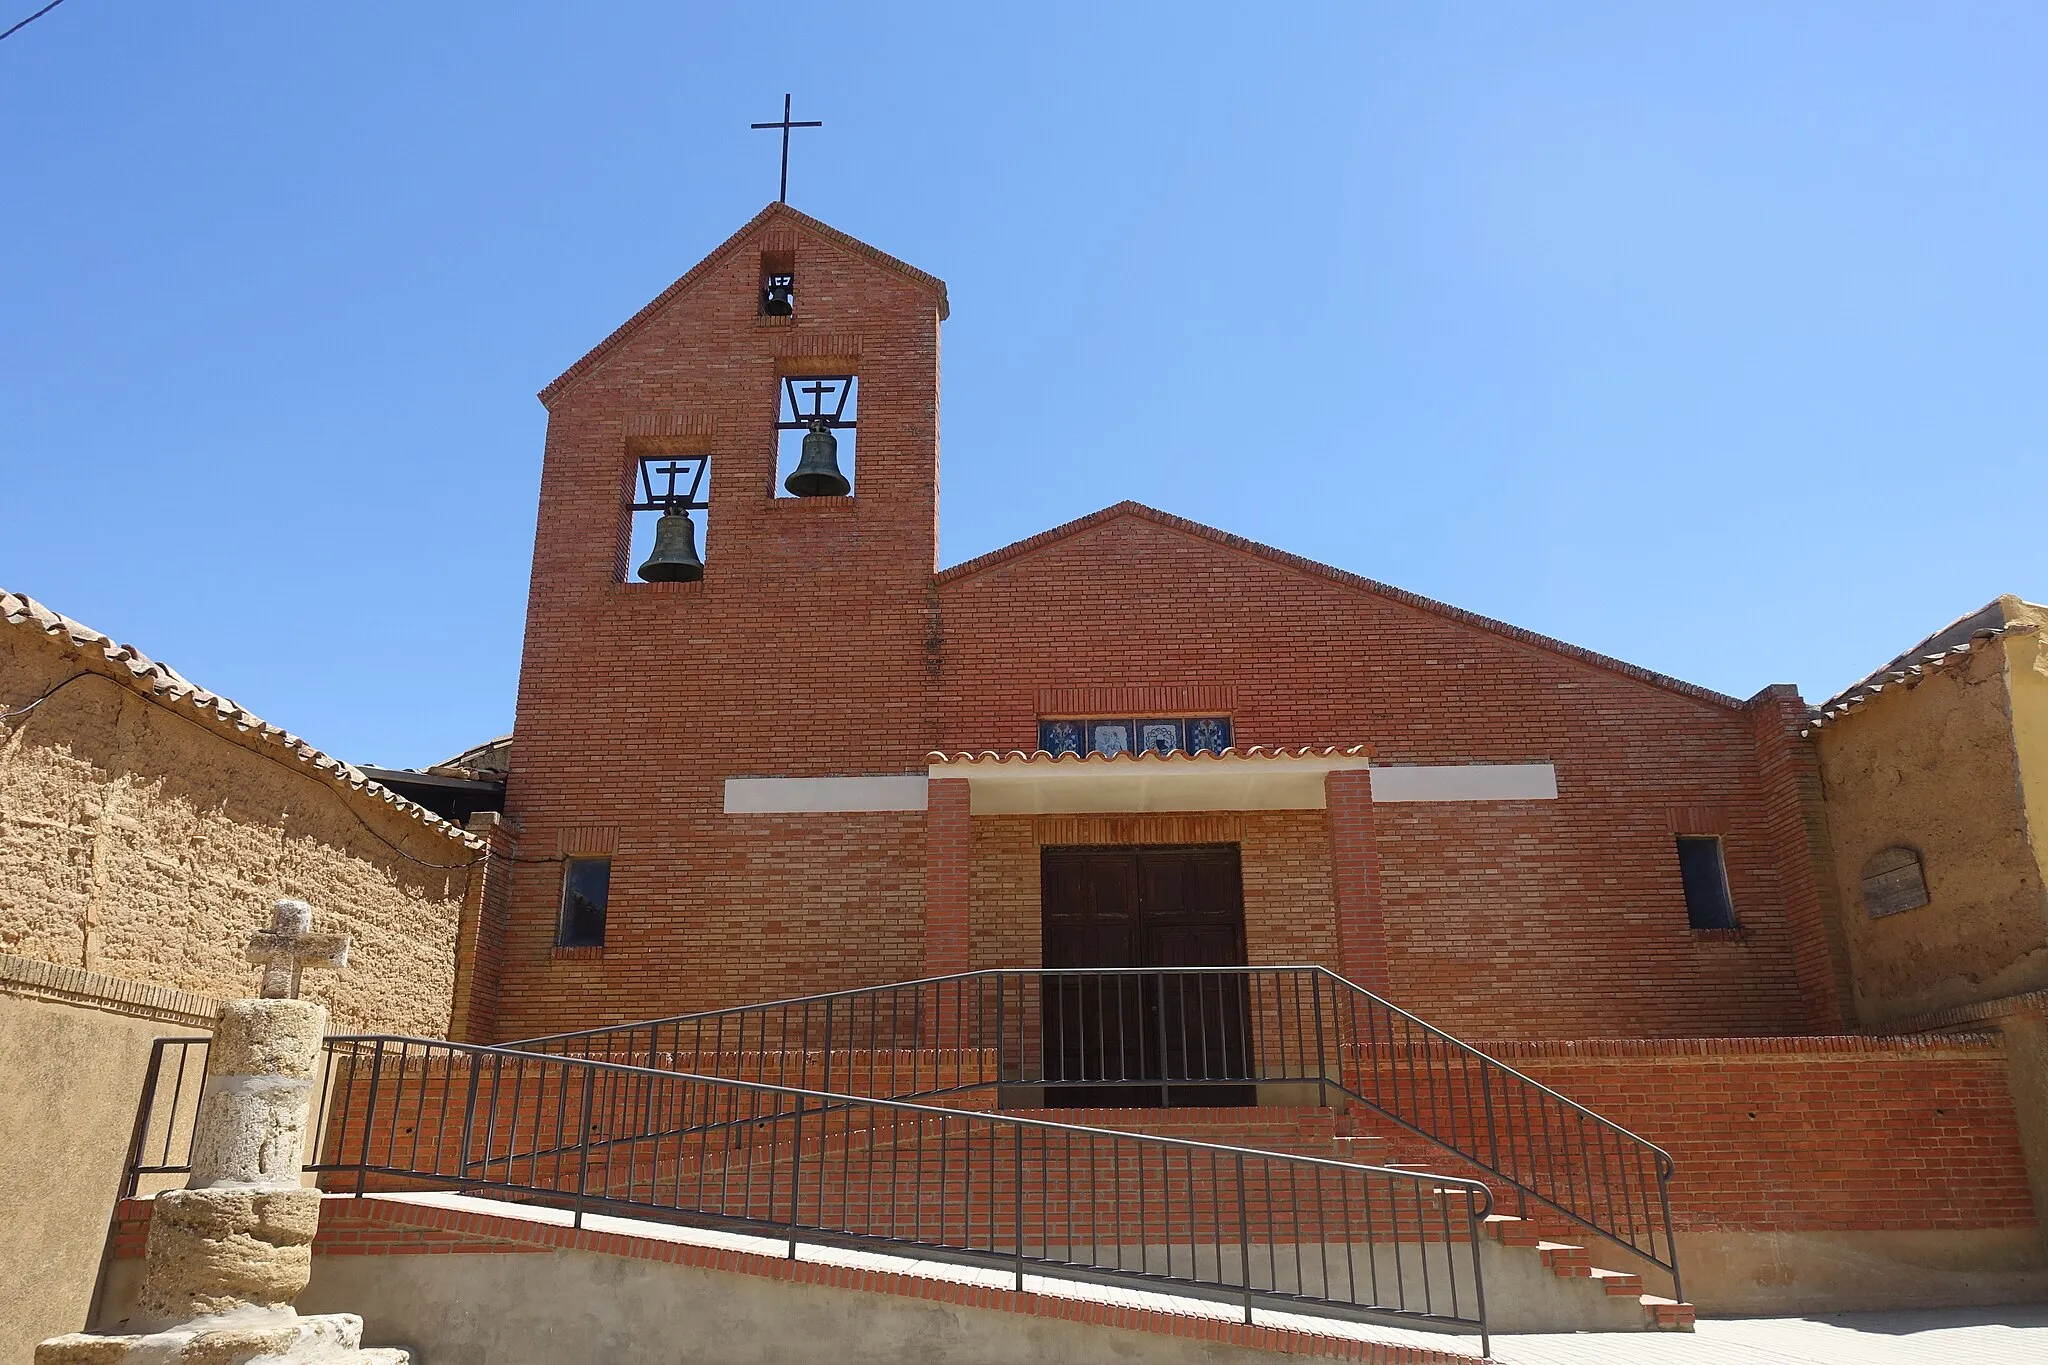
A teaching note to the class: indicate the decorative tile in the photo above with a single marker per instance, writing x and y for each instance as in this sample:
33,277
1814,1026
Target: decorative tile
1059,736
1209,734
1159,736
1109,738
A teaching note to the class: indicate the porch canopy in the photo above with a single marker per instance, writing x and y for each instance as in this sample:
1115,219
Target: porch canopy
1019,783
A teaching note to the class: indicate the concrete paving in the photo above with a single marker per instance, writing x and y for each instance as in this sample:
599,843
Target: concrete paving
2015,1335
1934,1336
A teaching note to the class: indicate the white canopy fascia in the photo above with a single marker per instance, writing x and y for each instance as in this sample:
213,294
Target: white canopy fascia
1039,784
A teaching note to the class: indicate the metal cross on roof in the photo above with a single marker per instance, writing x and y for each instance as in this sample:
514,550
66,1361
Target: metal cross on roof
782,195
289,946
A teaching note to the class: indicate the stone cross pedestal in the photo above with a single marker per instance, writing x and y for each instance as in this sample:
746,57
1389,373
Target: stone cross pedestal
228,1253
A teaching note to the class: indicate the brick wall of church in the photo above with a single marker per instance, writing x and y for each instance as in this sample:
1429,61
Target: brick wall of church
1560,918
1285,862
820,644
803,652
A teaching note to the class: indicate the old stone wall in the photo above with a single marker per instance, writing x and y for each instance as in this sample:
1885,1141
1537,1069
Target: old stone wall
1933,767
143,838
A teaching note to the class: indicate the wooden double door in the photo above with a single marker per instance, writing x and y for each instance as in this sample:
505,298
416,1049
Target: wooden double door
1145,1038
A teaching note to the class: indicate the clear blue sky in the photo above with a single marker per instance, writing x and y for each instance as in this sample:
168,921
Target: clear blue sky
1708,336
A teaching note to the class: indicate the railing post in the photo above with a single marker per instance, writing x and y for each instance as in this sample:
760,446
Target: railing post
469,1119
1244,1241
369,1117
583,1154
1159,1011
796,1172
825,1083
131,1177
1322,1070
1670,1233
1486,1093
1017,1231
1478,1278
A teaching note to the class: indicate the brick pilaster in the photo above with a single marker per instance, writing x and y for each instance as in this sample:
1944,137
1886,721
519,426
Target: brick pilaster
948,861
1788,770
1355,877
480,935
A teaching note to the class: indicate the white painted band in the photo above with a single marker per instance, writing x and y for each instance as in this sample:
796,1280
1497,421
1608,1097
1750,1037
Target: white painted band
1467,782
239,1086
823,795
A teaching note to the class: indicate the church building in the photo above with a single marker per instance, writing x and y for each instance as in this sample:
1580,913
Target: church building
723,791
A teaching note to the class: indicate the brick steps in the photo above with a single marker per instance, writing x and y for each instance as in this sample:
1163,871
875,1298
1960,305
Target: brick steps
1547,1234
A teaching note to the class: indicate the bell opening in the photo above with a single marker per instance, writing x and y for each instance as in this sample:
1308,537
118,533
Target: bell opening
664,547
778,284
827,473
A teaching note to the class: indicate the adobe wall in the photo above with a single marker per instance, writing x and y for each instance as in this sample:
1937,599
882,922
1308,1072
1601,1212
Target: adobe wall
2026,685
1557,918
73,1050
1934,767
140,841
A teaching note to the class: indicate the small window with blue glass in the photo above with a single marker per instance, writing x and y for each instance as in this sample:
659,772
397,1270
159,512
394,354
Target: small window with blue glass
1110,736
586,892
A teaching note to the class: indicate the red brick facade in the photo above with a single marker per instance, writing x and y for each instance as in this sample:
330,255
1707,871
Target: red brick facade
823,642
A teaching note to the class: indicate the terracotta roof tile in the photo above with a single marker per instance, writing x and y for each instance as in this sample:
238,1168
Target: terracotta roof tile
164,683
1909,672
1041,758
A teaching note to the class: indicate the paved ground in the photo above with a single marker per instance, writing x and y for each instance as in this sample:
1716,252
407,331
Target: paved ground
1954,1336
1945,1336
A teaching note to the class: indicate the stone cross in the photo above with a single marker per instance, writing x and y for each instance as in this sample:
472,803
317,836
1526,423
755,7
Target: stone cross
229,1253
289,946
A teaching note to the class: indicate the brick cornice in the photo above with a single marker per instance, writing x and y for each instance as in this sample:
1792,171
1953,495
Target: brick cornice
1316,569
25,976
1763,1049
2026,1004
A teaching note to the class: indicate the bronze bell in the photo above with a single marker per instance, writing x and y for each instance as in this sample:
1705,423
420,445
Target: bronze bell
674,557
817,473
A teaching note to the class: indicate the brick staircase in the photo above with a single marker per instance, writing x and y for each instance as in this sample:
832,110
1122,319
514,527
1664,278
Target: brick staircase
1525,1246
1392,1173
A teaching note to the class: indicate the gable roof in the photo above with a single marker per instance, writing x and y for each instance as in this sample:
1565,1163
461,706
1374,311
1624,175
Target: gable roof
1953,642
1254,549
931,284
159,682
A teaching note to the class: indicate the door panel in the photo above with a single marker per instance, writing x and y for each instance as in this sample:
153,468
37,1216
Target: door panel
1145,907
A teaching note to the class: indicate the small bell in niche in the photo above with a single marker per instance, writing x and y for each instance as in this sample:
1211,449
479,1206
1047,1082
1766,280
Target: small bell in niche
778,296
674,558
817,472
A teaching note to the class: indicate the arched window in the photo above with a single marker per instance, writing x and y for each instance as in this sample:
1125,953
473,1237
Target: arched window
1893,880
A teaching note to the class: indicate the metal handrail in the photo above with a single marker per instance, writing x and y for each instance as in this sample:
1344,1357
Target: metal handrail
1204,1219
1017,1027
